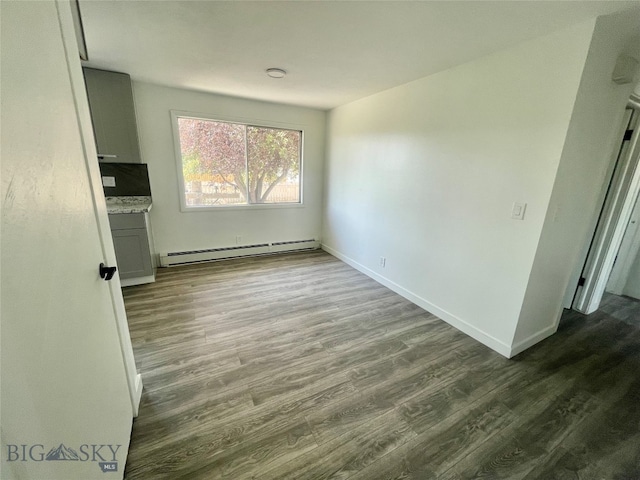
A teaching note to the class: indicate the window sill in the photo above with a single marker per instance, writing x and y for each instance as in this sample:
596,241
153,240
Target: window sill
224,208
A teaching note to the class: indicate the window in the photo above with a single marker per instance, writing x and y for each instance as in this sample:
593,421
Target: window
225,163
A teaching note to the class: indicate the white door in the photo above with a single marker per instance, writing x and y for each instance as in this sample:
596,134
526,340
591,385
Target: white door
615,215
625,260
65,403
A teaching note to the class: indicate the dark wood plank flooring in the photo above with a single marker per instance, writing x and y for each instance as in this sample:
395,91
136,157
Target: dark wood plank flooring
299,367
622,308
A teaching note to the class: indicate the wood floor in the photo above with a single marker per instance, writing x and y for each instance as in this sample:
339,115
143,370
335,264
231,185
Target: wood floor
620,307
299,367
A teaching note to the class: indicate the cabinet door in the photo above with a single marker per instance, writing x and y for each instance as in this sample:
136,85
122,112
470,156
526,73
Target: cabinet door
113,115
132,253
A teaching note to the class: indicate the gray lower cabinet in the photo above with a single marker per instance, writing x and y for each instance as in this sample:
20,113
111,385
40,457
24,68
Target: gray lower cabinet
133,247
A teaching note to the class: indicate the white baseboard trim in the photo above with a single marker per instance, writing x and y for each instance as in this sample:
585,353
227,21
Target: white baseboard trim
137,395
533,339
475,333
130,282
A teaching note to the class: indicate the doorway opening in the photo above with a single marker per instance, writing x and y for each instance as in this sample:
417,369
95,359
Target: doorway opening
610,275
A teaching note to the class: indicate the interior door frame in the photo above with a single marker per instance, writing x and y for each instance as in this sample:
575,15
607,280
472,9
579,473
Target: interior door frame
134,379
616,212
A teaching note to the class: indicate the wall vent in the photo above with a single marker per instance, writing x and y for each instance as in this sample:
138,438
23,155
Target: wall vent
210,254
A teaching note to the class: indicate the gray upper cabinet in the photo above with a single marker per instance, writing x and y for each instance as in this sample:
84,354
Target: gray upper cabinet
113,115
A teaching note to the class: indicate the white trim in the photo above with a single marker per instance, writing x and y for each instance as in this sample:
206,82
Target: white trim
137,395
129,282
612,225
474,332
184,208
79,29
241,206
533,339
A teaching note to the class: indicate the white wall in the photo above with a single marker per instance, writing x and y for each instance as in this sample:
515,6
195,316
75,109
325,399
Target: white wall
178,231
585,168
63,374
425,175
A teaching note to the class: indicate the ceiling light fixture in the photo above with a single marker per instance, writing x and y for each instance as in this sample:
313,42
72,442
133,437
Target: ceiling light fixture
276,72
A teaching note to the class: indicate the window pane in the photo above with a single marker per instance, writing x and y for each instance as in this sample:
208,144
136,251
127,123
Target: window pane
213,162
273,157
235,164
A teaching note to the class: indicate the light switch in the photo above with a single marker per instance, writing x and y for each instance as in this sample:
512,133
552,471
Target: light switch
108,181
517,212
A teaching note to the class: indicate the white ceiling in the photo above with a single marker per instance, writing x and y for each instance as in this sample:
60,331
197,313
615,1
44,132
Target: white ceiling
334,51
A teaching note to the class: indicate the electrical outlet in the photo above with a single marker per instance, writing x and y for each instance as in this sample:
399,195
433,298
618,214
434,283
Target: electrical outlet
108,181
383,262
238,239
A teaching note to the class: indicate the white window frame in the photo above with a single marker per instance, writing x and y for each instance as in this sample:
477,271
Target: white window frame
176,114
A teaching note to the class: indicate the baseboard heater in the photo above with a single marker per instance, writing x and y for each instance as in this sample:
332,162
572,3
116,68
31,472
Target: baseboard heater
210,254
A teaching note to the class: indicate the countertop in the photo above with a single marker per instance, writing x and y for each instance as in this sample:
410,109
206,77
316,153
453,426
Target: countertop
116,205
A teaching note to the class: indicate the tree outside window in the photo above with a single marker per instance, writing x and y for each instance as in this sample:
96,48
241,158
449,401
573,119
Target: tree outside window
227,163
